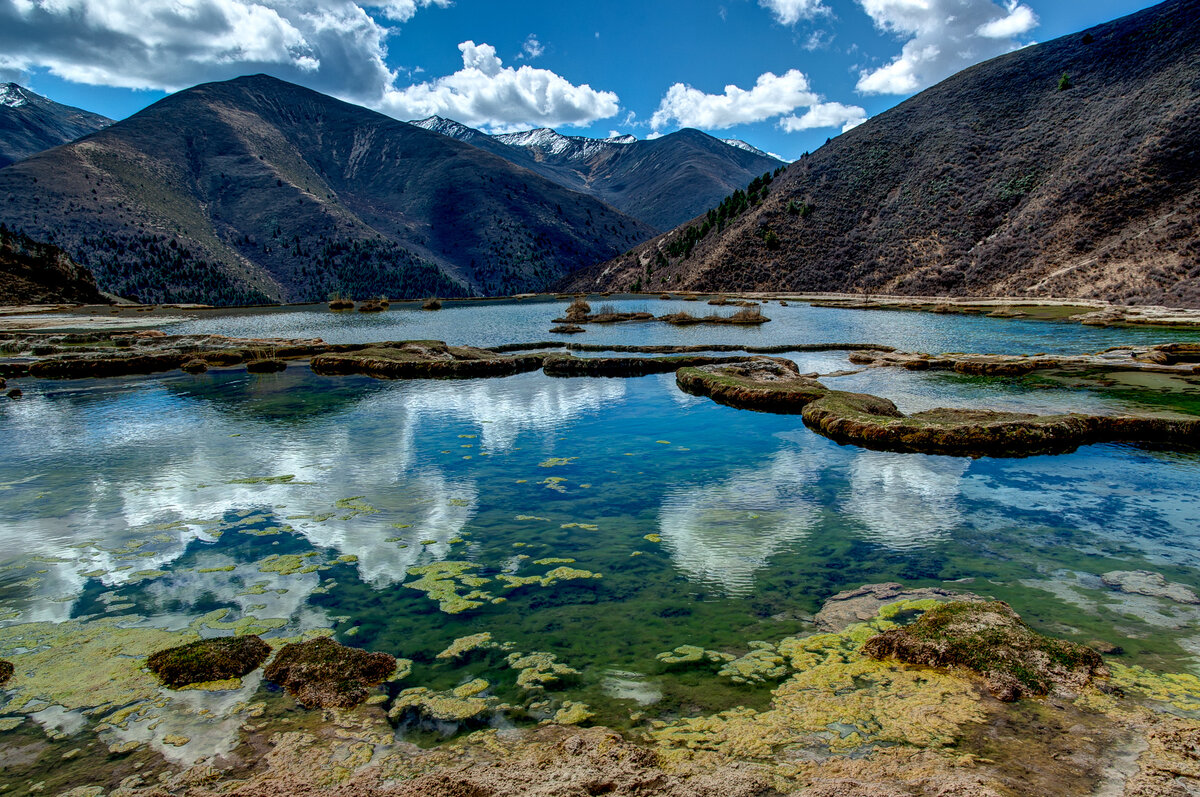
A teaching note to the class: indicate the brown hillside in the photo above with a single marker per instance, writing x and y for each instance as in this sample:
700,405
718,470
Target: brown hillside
36,273
995,181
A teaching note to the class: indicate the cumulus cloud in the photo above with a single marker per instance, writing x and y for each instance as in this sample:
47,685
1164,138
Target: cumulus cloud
943,36
789,12
825,114
532,48
772,95
487,94
334,46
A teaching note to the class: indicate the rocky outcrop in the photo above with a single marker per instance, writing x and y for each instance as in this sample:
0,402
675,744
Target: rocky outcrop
320,673
424,360
768,384
567,365
990,639
1177,358
208,660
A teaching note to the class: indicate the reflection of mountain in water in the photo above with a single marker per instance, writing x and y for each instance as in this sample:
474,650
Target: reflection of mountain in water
722,533
120,465
905,500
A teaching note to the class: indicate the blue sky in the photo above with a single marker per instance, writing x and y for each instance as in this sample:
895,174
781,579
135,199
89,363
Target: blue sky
803,70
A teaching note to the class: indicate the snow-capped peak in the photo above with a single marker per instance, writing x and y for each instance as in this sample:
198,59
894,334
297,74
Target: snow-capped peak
738,143
12,95
447,127
555,143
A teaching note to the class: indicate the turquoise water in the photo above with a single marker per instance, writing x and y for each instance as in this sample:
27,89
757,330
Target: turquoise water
489,324
160,499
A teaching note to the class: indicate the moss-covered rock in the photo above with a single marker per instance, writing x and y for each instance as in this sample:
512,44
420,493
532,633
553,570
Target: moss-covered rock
208,660
990,639
428,359
569,365
320,673
767,384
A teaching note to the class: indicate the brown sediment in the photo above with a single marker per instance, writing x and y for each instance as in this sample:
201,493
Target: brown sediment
424,360
215,659
320,673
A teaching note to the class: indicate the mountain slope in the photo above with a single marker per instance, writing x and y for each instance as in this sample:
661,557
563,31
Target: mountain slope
663,182
995,181
30,123
256,190
36,273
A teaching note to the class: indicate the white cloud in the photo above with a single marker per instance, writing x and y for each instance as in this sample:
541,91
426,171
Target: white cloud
333,46
789,12
487,94
532,48
943,37
825,114
771,96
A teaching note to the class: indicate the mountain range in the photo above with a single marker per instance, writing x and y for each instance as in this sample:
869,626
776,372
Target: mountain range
1069,168
30,123
256,190
663,181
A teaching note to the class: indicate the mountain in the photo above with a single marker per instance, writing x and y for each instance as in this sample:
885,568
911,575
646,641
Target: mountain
663,182
1005,179
30,123
737,142
37,273
255,190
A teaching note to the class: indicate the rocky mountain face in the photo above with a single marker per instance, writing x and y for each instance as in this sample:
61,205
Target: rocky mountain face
37,273
1070,168
256,190
663,182
30,123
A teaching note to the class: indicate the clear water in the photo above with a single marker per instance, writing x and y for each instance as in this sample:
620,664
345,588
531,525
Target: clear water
159,499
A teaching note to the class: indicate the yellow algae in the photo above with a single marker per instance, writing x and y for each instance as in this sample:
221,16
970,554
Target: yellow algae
836,698
538,670
554,483
572,713
1181,690
402,525
512,582
145,575
762,663
445,706
468,436
652,538
428,542
556,462
636,553
459,502
355,506
531,517
176,740
346,559
693,654
567,574
441,581
467,644
584,526
663,442
124,747
82,664
225,569
522,481
8,723
471,688
223,685
554,561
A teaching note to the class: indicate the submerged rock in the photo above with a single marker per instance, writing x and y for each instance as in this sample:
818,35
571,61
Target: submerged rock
860,605
196,366
1146,582
320,673
989,638
209,660
567,329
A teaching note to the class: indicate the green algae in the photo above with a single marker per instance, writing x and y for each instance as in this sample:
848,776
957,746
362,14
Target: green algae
444,706
469,644
584,526
553,560
687,655
572,713
538,670
286,479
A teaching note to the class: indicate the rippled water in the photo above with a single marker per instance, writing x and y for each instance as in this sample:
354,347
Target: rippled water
160,499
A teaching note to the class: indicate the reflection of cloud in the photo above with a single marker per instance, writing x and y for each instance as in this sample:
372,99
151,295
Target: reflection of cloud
905,500
148,464
721,534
